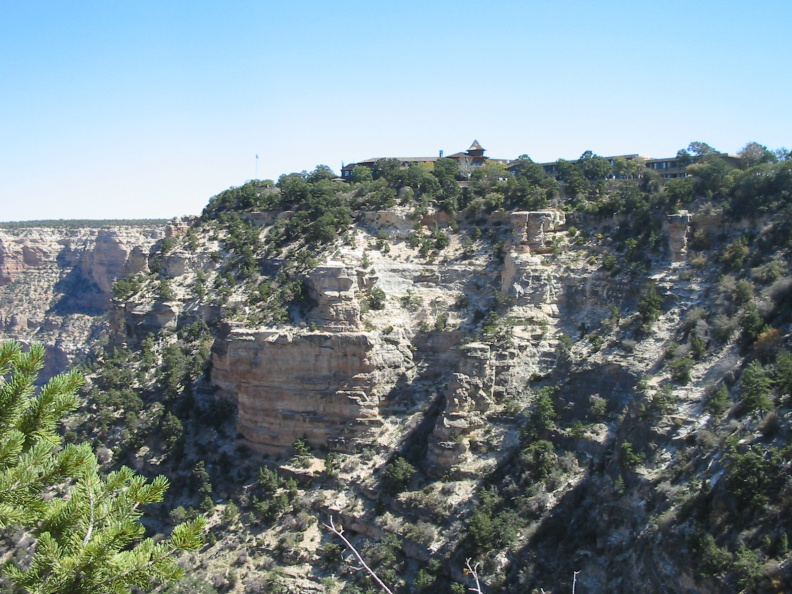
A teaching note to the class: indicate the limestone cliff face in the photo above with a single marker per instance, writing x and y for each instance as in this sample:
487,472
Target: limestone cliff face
325,386
56,284
484,372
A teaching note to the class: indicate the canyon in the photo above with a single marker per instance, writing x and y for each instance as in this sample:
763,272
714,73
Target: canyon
378,352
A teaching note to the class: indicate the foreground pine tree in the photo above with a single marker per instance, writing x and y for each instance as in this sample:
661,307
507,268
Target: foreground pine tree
89,537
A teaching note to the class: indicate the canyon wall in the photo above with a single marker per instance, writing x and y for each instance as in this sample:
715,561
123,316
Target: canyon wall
56,284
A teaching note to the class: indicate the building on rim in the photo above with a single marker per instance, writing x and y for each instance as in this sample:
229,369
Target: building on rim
667,167
473,157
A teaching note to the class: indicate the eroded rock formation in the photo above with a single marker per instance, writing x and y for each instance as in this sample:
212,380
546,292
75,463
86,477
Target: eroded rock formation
469,394
323,386
678,226
534,231
326,386
332,286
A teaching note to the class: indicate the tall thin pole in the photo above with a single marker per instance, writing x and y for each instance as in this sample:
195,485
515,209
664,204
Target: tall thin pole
256,176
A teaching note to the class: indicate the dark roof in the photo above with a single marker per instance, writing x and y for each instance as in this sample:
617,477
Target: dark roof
476,146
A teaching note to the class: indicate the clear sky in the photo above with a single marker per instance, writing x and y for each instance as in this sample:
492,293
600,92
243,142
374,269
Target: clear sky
146,109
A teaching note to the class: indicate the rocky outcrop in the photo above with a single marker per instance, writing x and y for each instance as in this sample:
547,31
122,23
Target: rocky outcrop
534,231
324,386
178,226
21,250
332,287
532,284
87,258
678,226
469,395
142,319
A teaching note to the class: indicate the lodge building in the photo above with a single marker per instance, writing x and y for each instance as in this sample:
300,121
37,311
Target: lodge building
473,157
667,167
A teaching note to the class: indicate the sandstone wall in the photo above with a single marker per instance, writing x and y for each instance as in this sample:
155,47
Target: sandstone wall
325,386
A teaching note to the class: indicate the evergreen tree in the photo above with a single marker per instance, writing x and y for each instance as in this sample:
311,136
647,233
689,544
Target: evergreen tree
89,537
755,384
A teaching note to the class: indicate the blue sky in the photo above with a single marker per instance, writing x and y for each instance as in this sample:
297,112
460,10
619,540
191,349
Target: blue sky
147,109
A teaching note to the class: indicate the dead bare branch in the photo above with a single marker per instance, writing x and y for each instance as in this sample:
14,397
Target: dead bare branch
474,572
339,533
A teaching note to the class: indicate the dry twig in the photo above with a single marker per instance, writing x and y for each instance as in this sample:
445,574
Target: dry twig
339,533
474,572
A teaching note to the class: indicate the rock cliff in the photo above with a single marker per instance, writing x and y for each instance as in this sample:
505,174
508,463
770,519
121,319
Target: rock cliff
327,387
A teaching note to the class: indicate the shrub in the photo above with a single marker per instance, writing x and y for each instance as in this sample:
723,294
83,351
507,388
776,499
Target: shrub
768,272
734,255
712,558
755,385
422,532
629,457
610,262
698,346
302,452
719,401
649,305
751,324
376,298
748,568
423,581
768,342
598,407
269,480
165,291
397,476
564,345
680,369
750,476
332,554
332,465
783,372
544,412
743,292
538,459
723,327
411,301
230,513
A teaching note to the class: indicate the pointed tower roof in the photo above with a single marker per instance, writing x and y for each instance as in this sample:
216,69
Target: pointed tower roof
476,147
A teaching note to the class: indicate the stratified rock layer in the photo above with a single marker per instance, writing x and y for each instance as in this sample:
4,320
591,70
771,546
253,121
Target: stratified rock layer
326,387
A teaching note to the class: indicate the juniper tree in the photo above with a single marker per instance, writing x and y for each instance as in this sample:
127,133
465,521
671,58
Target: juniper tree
88,535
